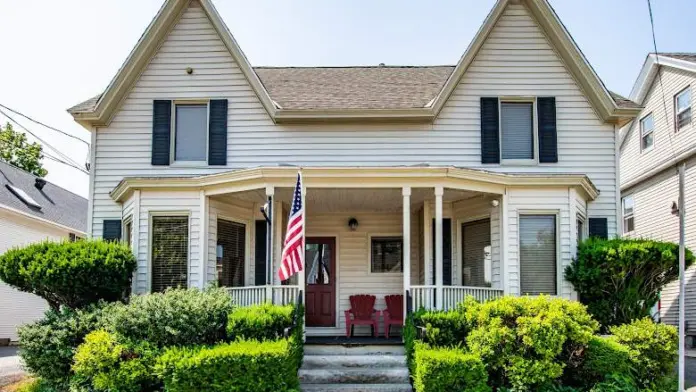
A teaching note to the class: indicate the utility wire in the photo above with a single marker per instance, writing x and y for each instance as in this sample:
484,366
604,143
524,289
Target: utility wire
58,152
42,124
44,154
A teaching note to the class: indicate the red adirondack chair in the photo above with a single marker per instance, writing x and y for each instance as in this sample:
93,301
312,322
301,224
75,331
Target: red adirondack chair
394,313
362,309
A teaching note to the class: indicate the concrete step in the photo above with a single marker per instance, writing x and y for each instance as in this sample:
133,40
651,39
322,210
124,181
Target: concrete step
354,376
405,387
318,349
353,361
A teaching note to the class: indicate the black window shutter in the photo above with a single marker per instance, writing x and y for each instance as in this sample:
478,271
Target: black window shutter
260,253
548,139
446,251
598,228
112,230
490,131
217,132
161,131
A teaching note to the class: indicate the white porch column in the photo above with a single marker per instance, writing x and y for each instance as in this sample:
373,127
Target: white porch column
406,251
270,192
439,191
135,241
203,238
427,244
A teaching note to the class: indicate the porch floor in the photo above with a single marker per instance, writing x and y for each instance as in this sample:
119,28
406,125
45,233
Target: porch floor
354,341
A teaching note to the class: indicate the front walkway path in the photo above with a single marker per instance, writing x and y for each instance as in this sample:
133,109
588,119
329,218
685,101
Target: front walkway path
10,366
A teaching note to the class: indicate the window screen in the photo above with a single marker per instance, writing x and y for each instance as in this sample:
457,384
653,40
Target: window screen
191,132
387,254
170,237
538,254
517,132
231,246
683,104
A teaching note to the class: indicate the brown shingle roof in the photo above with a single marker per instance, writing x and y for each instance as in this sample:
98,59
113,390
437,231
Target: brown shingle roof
380,87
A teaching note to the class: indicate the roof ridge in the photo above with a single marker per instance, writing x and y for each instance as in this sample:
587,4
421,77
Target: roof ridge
347,66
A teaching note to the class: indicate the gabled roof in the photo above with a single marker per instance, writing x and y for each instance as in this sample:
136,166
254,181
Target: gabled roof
683,61
57,205
345,93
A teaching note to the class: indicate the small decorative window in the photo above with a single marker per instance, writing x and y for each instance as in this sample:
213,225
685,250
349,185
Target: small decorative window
647,137
386,255
191,132
627,208
682,103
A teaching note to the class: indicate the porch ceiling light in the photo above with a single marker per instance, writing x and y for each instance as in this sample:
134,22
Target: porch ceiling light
353,224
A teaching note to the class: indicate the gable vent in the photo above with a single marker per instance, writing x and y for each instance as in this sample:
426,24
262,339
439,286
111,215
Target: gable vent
23,196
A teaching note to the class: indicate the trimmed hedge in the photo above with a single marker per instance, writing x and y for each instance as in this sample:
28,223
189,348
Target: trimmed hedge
620,279
104,362
260,322
244,365
653,349
48,345
448,369
176,317
443,328
72,274
603,359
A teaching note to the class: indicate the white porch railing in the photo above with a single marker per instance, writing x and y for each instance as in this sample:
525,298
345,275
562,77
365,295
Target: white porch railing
424,296
256,295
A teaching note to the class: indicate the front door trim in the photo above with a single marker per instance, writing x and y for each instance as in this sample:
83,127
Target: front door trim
334,238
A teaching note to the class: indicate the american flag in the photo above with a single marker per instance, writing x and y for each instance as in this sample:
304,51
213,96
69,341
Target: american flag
292,260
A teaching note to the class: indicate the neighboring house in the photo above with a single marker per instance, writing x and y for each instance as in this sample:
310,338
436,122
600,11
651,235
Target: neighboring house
482,176
661,138
32,210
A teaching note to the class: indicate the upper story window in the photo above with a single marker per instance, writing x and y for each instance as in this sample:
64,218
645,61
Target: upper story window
682,108
627,209
190,132
647,135
517,131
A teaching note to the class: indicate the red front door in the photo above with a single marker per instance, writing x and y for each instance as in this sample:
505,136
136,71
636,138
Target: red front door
320,275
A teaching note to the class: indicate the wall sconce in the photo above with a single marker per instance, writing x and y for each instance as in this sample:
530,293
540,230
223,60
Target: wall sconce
353,224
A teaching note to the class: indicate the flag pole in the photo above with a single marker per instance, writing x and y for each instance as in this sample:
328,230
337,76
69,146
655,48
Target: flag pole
302,273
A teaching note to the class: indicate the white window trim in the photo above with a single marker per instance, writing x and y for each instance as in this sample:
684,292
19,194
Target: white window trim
173,213
127,220
369,253
559,262
625,216
172,133
678,112
247,245
652,131
535,131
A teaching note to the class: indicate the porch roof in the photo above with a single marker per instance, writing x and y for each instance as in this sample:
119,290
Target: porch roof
356,177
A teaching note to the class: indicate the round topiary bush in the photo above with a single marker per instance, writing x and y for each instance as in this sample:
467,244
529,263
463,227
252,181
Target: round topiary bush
72,274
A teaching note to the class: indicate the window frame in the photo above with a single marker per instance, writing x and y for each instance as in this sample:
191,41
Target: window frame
535,131
370,238
128,239
580,228
677,112
247,244
166,213
642,135
559,262
172,130
625,216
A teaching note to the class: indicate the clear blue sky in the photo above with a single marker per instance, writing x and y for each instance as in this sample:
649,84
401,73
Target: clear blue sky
58,53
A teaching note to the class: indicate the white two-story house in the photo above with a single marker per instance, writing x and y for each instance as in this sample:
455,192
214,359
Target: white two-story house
434,181
660,139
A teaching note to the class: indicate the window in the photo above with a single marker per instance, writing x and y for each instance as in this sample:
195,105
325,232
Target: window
538,268
74,237
628,220
191,133
231,252
647,138
517,130
386,255
170,239
581,230
682,103
128,233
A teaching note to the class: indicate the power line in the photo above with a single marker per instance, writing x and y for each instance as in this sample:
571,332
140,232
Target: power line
60,154
44,154
42,124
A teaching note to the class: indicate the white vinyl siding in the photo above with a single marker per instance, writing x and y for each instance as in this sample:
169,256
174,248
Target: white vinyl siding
516,60
516,130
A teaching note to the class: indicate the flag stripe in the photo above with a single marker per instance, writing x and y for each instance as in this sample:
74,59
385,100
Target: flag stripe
292,258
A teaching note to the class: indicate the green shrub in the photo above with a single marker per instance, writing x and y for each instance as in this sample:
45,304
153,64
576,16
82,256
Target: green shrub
410,335
173,318
616,383
48,345
73,274
34,385
604,356
297,337
526,342
653,349
620,279
104,362
260,322
239,366
443,329
448,369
